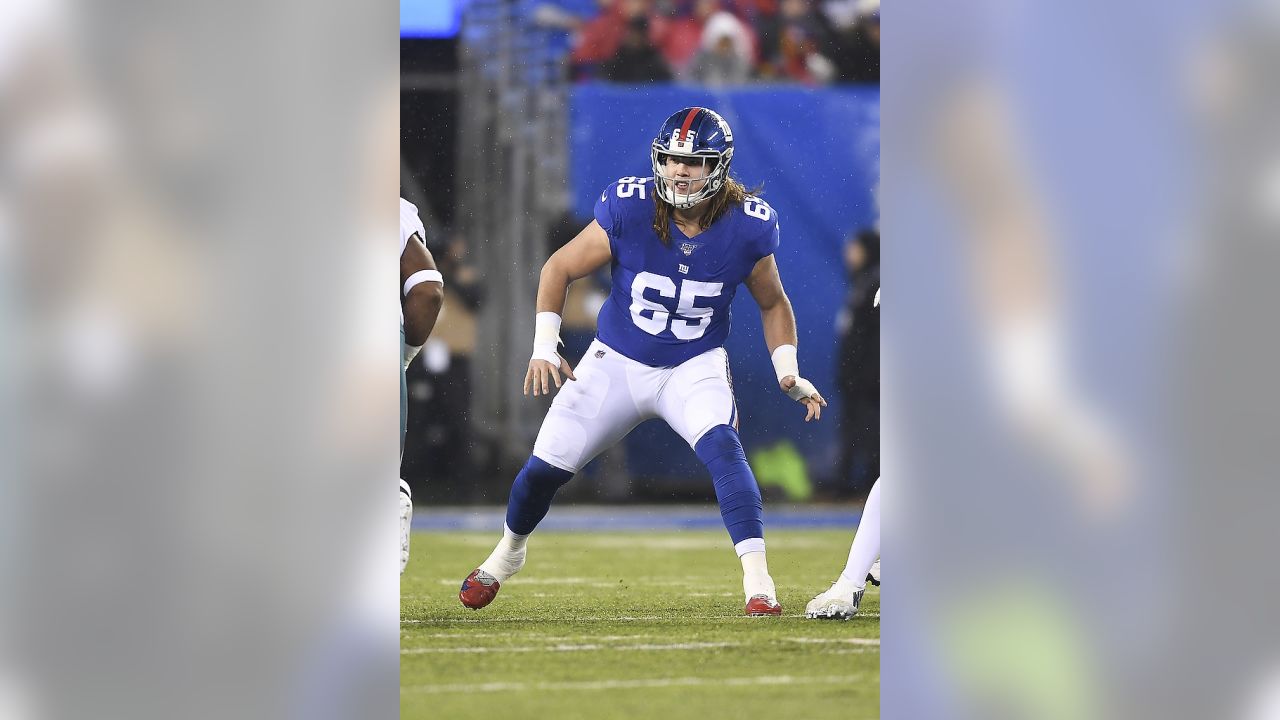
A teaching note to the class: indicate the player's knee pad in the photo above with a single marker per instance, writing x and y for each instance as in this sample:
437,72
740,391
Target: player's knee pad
721,451
562,440
532,492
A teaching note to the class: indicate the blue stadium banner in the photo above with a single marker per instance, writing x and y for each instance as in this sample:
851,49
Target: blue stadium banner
430,18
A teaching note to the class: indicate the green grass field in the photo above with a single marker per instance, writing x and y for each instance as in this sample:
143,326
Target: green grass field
633,625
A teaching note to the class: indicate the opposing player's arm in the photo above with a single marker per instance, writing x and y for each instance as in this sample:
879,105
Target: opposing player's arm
422,291
580,257
780,335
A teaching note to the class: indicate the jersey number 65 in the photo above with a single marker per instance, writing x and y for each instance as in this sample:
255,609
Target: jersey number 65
689,321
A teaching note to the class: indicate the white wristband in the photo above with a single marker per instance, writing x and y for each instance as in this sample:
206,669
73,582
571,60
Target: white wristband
785,362
420,277
546,337
407,354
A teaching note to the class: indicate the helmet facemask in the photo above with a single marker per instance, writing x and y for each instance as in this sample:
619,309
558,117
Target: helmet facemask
718,162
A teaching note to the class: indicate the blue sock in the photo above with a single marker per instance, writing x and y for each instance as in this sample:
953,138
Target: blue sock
736,489
531,494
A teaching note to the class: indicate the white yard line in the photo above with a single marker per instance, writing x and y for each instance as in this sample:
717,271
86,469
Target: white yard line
727,617
547,638
590,582
696,583
565,643
637,684
567,648
848,641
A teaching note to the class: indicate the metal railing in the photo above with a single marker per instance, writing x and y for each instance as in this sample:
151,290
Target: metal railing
511,184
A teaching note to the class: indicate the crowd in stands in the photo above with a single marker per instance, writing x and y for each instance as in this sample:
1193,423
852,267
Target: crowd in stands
721,42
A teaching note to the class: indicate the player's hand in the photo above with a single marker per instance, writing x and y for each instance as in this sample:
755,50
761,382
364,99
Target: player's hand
804,392
542,373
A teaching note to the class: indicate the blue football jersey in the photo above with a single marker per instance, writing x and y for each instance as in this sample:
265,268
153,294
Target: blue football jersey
671,302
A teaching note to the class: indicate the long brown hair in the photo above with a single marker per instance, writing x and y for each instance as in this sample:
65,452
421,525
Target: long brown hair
730,194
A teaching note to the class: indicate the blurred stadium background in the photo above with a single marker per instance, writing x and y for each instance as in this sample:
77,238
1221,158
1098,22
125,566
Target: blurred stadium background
515,113
199,407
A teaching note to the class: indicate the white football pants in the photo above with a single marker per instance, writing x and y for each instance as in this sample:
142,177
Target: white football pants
614,393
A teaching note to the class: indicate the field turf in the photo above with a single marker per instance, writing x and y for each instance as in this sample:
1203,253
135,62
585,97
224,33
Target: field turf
609,625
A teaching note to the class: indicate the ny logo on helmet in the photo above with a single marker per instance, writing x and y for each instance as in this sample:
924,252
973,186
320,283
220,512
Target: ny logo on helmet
724,126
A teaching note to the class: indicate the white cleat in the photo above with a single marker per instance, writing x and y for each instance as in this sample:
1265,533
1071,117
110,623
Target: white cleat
834,604
873,577
406,522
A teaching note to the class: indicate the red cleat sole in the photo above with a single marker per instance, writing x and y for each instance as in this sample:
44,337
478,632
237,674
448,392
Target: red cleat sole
760,606
478,592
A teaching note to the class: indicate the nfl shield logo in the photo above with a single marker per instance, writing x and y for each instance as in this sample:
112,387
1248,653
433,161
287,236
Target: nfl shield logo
688,248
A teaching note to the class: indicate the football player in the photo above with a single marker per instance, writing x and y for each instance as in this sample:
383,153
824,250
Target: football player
841,600
422,295
679,245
